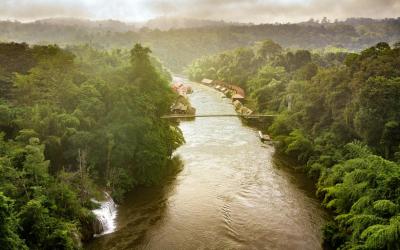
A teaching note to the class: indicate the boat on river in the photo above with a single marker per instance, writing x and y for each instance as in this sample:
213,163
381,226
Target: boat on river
229,184
264,137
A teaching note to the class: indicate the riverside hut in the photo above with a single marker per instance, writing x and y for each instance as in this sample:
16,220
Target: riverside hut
238,90
237,97
238,105
207,81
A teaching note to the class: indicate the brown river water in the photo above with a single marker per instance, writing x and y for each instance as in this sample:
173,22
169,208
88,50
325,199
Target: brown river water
231,194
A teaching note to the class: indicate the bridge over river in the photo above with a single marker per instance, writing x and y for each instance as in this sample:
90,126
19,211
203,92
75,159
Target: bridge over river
232,192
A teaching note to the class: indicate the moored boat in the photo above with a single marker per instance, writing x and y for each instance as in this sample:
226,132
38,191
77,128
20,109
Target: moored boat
264,137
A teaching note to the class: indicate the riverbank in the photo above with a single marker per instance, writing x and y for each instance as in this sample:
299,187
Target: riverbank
233,92
338,116
182,104
231,193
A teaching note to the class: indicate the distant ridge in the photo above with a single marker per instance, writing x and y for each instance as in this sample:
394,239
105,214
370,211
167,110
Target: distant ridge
179,41
112,25
167,23
160,23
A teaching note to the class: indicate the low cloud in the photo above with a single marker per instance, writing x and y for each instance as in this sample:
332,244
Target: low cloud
259,11
256,11
27,10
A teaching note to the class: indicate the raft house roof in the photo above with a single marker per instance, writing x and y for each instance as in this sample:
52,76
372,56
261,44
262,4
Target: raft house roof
238,90
237,97
177,84
219,82
207,81
179,106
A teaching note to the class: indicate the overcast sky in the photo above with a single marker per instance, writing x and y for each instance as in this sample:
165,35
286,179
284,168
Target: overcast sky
256,11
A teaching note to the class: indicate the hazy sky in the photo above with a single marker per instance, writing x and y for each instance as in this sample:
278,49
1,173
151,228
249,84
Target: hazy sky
231,10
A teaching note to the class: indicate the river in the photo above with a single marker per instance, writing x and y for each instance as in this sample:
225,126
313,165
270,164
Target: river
231,194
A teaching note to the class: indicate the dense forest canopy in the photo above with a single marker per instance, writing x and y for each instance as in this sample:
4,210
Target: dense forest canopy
81,103
339,116
73,122
178,47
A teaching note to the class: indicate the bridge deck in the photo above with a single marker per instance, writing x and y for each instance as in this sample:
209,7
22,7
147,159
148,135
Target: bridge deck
216,115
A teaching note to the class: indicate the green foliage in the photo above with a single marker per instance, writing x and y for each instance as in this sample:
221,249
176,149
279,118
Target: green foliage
339,115
9,238
298,145
360,191
78,121
333,237
383,236
378,116
385,208
179,47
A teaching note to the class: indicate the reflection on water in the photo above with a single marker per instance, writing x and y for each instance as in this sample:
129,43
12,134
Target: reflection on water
231,194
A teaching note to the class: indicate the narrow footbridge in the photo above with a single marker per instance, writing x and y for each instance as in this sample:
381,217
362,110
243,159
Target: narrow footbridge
252,116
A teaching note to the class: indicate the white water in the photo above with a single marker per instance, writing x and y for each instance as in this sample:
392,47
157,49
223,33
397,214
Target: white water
107,214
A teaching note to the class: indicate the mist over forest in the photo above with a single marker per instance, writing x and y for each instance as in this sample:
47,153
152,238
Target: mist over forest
178,41
200,124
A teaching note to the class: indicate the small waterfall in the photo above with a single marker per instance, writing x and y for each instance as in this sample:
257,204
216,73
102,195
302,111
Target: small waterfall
106,214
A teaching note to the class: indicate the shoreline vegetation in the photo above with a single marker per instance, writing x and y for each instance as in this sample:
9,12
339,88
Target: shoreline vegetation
74,122
339,117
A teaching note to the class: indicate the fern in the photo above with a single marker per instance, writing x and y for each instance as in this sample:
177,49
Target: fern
361,205
357,149
385,207
383,236
360,222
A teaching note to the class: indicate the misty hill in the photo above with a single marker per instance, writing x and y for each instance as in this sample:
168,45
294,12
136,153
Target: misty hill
160,23
167,23
178,47
106,25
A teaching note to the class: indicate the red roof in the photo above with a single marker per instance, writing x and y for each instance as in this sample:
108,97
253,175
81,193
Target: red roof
235,88
238,90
